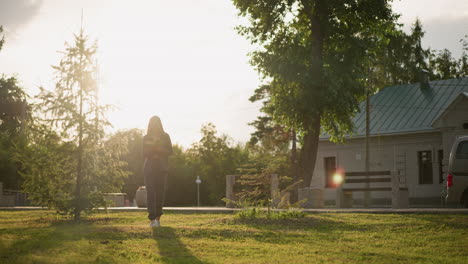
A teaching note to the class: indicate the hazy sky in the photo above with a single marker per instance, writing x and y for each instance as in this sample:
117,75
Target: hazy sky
181,60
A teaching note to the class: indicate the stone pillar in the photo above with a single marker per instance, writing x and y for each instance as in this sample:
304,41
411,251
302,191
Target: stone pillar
313,197
140,197
403,198
6,200
230,180
274,190
399,195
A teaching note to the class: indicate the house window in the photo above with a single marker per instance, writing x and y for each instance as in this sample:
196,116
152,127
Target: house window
330,169
425,167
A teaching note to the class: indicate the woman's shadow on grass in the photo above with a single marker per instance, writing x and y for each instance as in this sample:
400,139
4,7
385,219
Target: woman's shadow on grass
171,249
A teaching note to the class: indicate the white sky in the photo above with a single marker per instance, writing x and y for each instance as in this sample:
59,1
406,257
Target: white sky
181,60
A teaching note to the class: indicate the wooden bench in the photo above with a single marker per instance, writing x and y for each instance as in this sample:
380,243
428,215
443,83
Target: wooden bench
344,191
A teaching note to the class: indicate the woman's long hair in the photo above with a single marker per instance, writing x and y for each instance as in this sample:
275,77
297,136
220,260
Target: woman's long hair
155,127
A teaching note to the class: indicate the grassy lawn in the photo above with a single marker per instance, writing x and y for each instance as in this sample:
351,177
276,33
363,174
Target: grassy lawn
124,237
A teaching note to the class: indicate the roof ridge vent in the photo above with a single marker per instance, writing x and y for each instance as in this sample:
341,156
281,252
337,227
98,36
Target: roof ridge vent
424,79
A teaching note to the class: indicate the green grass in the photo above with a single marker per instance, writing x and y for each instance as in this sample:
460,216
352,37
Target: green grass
44,237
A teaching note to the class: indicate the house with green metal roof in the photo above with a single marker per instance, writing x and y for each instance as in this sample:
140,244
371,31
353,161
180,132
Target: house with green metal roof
411,129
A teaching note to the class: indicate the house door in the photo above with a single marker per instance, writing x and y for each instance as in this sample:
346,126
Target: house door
440,159
425,167
330,169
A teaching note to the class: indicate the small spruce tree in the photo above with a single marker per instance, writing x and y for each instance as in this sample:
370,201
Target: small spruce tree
70,165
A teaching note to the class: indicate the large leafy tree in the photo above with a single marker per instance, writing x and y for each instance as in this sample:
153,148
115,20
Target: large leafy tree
181,187
48,169
268,134
14,110
133,140
444,66
212,158
315,55
14,113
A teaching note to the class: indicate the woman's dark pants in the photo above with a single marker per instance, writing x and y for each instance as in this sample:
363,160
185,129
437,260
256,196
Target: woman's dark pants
155,182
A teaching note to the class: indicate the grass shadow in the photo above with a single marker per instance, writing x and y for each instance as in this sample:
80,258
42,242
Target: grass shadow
296,224
171,249
36,239
52,234
274,231
455,221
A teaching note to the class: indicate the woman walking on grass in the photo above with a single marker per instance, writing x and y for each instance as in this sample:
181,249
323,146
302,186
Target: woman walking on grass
157,148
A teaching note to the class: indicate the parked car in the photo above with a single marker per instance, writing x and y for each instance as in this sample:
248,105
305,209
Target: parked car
457,177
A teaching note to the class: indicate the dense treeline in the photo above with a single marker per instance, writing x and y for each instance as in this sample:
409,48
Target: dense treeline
211,158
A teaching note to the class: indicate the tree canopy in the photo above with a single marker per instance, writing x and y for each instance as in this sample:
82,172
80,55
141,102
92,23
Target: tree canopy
214,157
14,114
315,57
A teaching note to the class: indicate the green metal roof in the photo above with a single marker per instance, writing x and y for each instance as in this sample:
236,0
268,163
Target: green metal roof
408,108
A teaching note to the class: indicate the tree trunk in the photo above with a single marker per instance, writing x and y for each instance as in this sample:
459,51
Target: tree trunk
294,166
309,152
318,13
79,173
78,185
293,147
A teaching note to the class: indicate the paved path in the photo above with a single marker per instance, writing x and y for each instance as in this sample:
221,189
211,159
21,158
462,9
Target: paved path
312,211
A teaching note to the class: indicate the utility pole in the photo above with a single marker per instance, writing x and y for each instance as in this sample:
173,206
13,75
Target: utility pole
198,181
367,193
367,196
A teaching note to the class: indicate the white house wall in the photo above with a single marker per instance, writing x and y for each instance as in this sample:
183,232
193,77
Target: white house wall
386,153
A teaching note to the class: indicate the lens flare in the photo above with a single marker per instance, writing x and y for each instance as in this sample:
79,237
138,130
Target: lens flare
337,178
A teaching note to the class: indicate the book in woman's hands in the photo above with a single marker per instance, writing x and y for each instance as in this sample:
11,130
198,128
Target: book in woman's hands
149,140
151,145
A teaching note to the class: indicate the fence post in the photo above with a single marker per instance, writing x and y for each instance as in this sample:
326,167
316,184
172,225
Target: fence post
274,190
399,195
343,199
395,181
339,197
